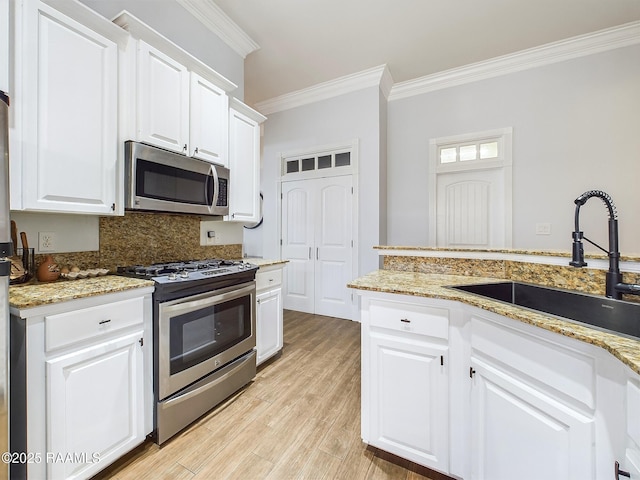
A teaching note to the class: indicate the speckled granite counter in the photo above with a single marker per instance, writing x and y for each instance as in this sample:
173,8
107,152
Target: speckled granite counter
265,262
33,295
555,253
625,349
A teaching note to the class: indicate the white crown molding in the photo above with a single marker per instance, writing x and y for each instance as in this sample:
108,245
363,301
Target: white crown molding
583,45
246,110
212,17
386,83
376,76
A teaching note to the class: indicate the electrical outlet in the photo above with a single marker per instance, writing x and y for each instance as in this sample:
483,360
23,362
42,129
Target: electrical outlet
543,229
46,241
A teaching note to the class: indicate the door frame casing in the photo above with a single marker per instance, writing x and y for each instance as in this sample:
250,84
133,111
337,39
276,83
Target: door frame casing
353,146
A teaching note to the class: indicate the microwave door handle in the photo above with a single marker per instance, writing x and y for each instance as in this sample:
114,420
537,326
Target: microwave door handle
213,198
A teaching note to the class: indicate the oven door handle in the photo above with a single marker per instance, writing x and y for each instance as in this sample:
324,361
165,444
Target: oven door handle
207,299
225,373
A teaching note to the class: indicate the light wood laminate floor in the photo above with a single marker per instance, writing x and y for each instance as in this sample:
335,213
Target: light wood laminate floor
298,419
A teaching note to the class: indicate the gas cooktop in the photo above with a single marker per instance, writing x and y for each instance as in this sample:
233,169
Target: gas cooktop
190,270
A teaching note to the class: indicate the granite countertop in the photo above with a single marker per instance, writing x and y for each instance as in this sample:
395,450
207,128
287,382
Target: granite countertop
264,262
35,294
625,349
548,253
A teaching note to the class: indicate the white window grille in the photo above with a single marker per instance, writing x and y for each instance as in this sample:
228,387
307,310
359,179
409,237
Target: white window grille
464,152
327,161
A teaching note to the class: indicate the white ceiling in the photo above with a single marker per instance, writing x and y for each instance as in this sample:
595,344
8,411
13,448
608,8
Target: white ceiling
306,42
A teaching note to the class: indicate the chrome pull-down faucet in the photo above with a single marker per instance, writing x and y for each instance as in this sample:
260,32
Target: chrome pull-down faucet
614,287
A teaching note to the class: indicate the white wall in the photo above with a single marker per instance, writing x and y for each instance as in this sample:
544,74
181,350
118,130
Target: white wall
576,127
72,233
350,116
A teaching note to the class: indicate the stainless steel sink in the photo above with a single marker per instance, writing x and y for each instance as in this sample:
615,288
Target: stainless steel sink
601,312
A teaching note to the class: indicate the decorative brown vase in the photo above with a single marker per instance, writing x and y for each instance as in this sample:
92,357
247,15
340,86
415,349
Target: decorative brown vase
48,271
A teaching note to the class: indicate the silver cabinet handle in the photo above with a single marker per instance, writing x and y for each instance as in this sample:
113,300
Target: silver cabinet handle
196,150
102,322
184,149
309,253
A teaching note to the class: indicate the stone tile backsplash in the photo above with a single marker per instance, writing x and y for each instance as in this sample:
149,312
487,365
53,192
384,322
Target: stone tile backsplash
145,238
586,280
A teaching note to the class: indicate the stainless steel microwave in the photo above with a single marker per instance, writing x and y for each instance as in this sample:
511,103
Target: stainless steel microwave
163,181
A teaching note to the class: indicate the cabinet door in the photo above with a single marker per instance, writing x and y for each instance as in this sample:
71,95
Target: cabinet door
70,143
244,163
163,100
208,126
95,406
269,338
409,399
519,432
631,462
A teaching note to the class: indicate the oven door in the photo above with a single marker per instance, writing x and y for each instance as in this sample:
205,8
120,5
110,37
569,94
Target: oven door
200,334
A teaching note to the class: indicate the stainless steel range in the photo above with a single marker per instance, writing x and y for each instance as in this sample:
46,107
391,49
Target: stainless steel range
204,326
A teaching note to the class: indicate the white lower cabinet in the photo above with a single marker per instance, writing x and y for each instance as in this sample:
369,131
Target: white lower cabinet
532,404
477,395
519,430
88,382
269,321
95,404
405,381
629,461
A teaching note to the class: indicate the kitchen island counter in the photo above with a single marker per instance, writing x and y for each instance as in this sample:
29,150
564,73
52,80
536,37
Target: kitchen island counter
625,349
264,262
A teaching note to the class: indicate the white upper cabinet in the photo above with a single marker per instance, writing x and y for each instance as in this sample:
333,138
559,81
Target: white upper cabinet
181,103
208,121
163,100
244,162
64,145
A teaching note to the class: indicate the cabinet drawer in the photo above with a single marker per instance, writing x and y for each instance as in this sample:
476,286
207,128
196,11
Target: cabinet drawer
409,317
268,279
83,324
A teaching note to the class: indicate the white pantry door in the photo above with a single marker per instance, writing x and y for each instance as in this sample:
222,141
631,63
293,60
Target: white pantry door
317,240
